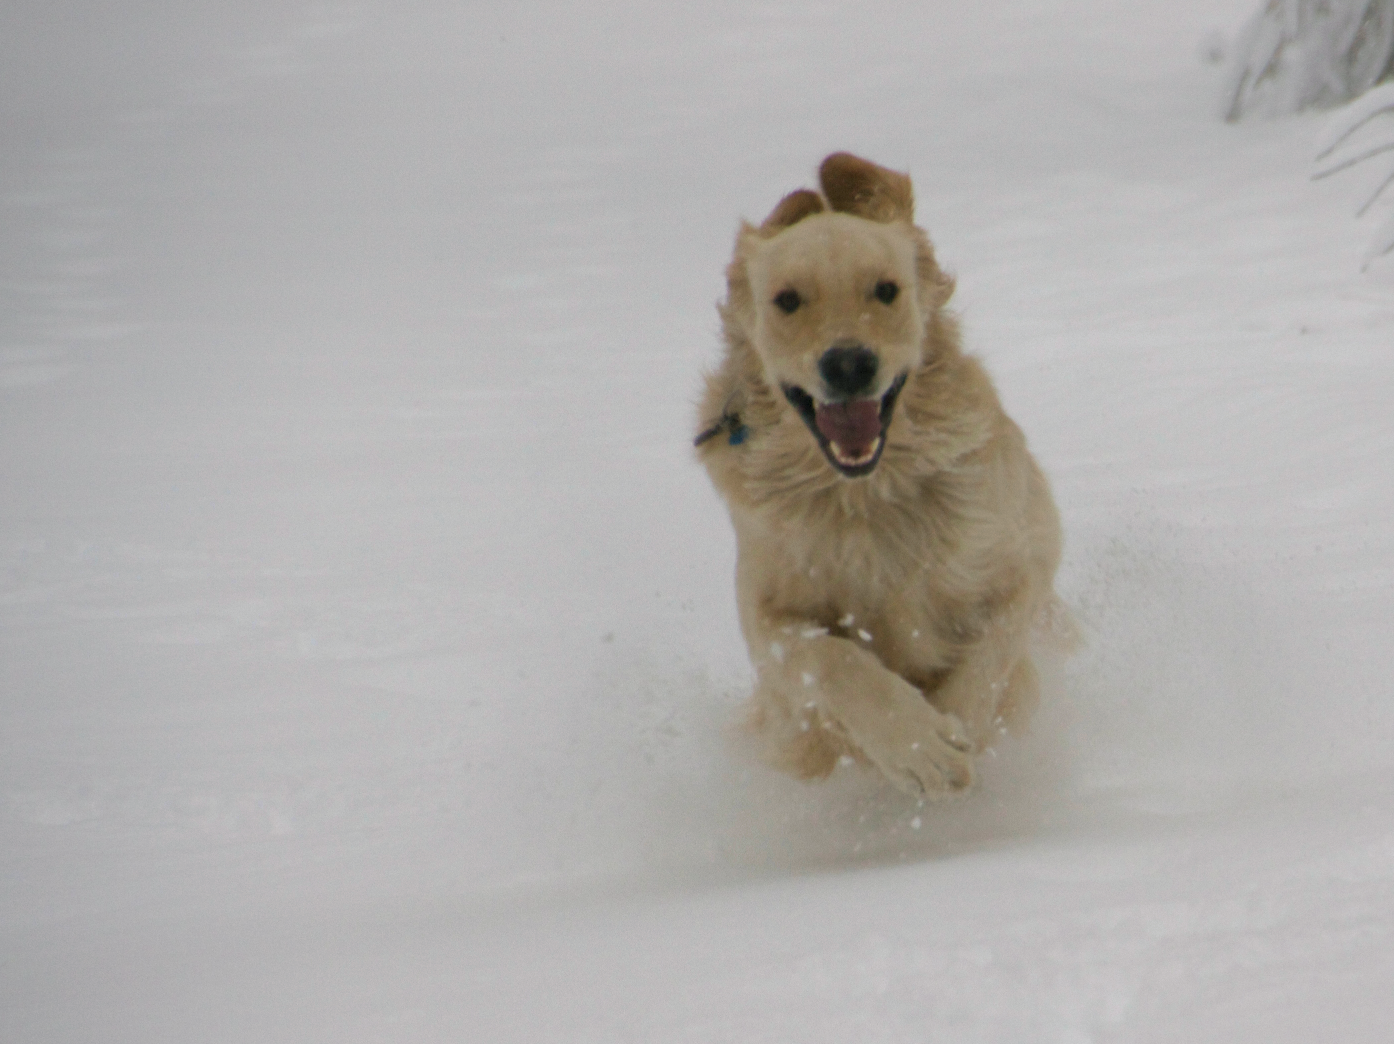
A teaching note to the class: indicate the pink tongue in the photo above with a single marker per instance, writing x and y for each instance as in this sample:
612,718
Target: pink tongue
853,425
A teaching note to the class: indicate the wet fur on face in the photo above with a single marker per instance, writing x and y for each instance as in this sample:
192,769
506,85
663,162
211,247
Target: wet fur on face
896,540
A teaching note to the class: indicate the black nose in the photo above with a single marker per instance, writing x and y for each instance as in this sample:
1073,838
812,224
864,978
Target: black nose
848,371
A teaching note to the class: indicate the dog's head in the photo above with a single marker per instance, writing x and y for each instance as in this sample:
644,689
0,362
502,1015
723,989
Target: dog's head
836,293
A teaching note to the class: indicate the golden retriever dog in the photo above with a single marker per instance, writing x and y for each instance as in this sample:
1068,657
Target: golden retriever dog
896,542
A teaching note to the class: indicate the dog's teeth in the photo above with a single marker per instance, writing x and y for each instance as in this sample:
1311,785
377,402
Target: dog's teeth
845,458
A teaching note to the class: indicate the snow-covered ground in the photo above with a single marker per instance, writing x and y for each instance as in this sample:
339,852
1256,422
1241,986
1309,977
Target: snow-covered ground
367,634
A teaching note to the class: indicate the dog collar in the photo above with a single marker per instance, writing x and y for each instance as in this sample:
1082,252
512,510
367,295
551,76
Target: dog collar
736,430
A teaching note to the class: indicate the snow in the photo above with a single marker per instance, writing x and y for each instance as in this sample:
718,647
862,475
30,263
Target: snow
368,652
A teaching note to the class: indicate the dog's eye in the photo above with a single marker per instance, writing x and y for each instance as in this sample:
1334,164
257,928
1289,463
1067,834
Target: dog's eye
886,291
788,301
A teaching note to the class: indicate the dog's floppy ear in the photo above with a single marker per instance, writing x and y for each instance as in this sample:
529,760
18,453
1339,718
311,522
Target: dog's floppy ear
857,186
790,210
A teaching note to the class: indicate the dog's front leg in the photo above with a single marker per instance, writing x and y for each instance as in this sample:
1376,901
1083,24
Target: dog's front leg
995,683
819,695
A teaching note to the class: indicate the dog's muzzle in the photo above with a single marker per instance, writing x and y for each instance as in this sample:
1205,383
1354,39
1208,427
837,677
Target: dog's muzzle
851,432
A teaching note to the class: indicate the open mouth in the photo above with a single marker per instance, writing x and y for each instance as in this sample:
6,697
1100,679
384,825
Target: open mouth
852,432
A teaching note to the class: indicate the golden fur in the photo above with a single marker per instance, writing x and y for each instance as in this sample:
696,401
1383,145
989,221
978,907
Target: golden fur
888,615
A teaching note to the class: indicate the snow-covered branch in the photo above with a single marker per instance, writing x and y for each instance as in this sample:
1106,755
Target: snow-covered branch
1354,135
1296,54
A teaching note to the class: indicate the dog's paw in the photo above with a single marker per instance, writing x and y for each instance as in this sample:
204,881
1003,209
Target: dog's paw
938,762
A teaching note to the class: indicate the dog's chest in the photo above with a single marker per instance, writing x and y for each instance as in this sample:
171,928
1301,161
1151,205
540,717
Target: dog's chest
863,558
868,584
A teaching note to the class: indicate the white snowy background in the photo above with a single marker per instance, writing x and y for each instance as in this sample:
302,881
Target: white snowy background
367,638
